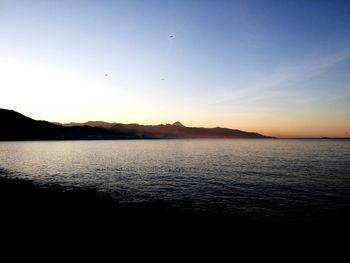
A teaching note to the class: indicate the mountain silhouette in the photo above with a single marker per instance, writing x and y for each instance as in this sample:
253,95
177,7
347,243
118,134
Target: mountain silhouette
178,124
15,126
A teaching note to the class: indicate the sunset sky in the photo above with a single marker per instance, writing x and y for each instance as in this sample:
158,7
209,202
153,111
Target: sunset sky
281,68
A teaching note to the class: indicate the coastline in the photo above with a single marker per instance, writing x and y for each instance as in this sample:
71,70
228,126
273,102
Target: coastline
59,208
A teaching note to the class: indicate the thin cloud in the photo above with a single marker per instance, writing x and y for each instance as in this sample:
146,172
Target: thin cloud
282,76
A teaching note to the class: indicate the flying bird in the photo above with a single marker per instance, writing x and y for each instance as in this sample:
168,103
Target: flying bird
171,36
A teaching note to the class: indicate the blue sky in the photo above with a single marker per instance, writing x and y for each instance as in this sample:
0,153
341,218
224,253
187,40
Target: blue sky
277,67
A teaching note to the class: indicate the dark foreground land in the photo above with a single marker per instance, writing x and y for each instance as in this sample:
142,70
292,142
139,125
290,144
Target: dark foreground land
60,211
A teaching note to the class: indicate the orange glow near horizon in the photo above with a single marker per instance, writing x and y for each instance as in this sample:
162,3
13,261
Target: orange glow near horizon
279,70
276,128
80,98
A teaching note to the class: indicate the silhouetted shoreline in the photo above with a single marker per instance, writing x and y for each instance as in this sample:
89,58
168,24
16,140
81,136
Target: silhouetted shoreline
55,207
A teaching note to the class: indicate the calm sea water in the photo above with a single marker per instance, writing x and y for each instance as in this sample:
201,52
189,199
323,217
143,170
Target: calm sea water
269,178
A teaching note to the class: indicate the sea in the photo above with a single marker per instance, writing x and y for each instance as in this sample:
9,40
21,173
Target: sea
288,179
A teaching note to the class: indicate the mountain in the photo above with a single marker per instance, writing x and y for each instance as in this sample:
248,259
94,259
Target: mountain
101,124
15,126
178,124
169,131
172,131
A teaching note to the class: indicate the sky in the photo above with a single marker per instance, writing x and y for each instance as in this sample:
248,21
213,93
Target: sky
281,68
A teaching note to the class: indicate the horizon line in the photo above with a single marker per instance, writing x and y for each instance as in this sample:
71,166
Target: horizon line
206,127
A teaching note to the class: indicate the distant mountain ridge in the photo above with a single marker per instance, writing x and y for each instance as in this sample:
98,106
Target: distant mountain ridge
16,126
178,124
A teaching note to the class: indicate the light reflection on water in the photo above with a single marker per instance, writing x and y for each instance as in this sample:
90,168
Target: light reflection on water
270,177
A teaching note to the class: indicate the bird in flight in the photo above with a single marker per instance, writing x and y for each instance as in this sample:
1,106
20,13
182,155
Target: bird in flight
171,36
106,75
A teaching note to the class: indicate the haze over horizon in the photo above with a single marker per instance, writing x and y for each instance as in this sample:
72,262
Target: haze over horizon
280,68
